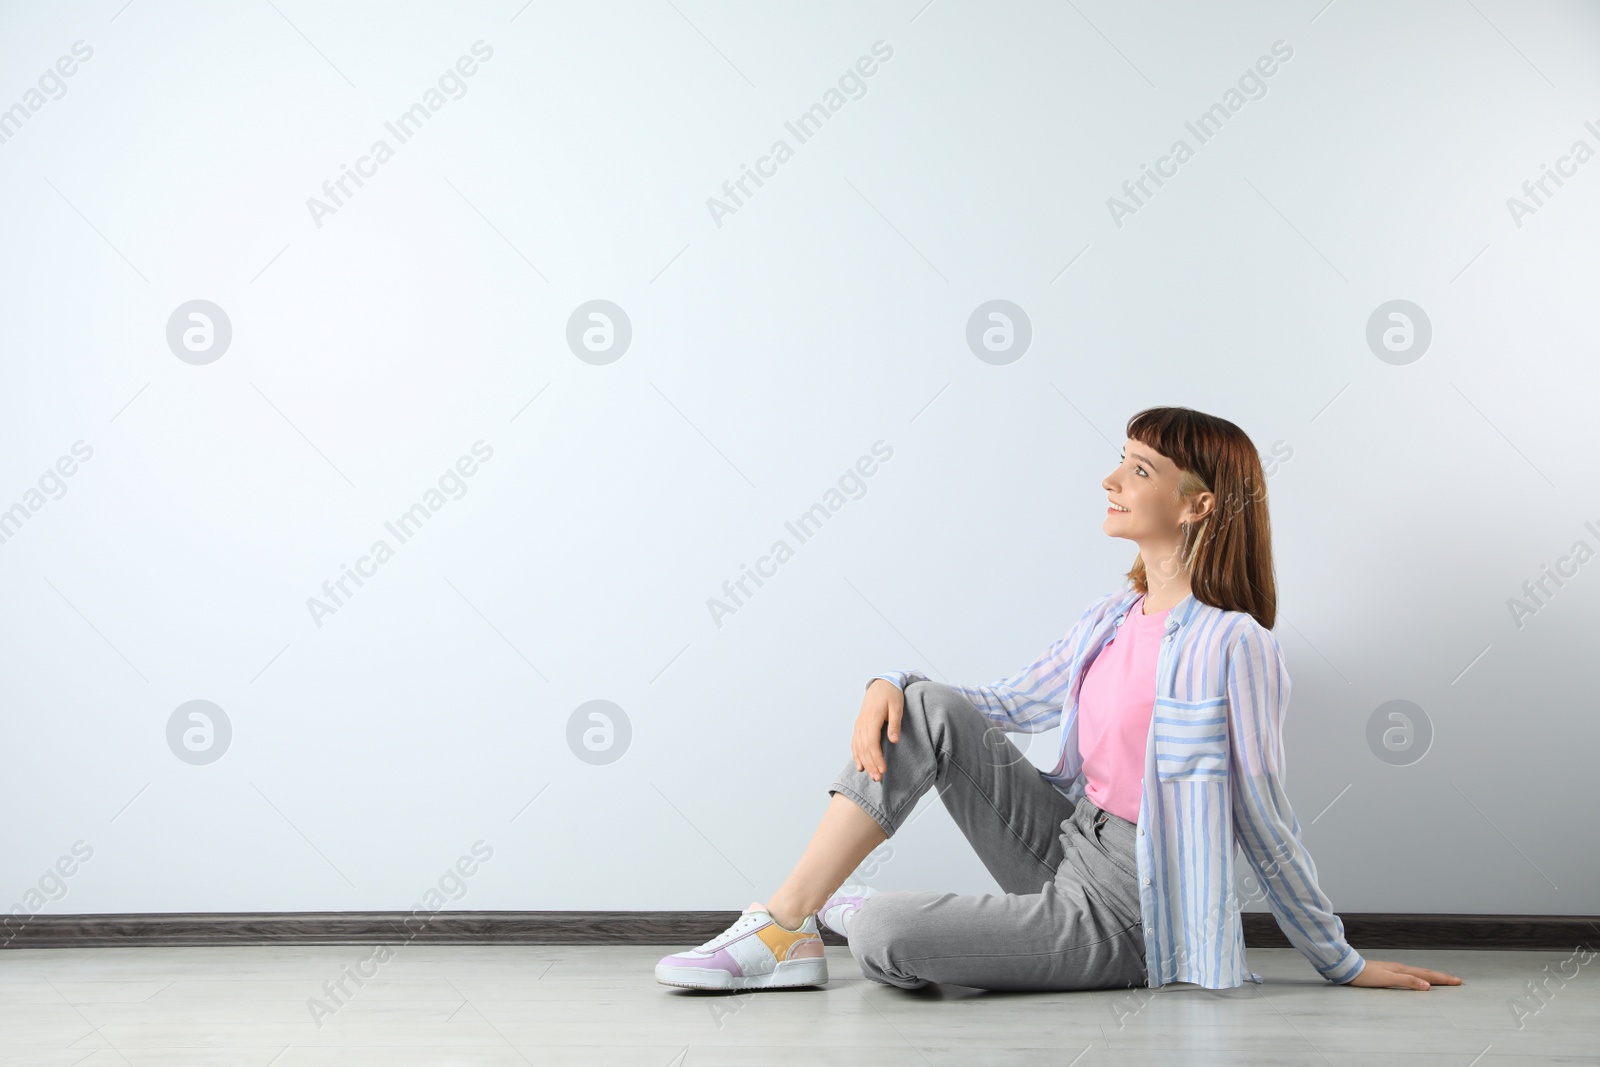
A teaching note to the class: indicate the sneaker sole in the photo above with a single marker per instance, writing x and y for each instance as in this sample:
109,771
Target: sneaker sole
789,974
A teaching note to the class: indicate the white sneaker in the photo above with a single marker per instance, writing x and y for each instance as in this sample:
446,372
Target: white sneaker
754,953
839,909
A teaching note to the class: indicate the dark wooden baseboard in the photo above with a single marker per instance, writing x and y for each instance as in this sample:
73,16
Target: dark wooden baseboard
1393,930
1364,930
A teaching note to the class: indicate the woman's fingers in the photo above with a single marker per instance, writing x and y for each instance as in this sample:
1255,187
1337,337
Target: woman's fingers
865,740
1423,973
865,760
1386,973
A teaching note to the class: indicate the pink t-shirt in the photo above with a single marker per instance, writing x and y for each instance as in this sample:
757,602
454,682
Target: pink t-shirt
1115,705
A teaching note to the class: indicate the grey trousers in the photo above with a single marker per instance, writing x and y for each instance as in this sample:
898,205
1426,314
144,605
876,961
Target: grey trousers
1069,914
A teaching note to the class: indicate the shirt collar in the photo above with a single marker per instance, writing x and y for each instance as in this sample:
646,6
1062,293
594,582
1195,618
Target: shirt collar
1180,613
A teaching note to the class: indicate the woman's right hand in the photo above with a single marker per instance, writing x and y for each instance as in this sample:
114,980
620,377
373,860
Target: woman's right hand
883,703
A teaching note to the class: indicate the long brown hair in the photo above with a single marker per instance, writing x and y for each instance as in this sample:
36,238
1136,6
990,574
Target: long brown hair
1229,552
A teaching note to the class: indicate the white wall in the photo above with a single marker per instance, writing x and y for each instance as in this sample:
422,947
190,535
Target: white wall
373,346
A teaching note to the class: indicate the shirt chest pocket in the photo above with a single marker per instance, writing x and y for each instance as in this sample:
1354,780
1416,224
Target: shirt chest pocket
1191,740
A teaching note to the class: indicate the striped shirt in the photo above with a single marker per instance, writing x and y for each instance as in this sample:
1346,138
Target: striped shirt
1213,772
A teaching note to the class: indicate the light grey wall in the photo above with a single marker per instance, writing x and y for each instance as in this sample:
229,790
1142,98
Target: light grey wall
773,348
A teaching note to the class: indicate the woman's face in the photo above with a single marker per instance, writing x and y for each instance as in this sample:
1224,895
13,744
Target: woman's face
1146,484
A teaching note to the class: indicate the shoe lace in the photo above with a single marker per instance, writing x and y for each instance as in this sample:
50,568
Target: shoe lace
743,923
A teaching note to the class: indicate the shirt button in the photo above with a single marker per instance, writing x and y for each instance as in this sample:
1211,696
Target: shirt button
1147,881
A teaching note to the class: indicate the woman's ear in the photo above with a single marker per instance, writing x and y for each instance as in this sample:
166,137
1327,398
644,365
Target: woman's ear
1202,505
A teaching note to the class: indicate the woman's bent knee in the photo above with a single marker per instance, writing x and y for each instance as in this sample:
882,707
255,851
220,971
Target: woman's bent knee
873,931
934,702
865,928
951,720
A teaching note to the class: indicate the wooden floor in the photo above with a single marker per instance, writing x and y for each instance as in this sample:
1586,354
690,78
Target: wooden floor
518,1005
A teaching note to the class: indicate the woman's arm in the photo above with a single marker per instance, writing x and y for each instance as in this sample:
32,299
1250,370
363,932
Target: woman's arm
1268,831
1029,701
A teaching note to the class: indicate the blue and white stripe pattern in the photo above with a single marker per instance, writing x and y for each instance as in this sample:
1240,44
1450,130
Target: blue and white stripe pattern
1216,761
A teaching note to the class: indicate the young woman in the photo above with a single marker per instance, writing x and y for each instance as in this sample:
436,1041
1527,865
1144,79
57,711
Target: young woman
1117,864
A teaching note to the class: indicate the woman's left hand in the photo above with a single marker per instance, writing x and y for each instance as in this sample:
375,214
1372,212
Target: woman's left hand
1383,974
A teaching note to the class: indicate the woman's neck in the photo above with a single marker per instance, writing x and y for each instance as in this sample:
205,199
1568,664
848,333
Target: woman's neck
1164,597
